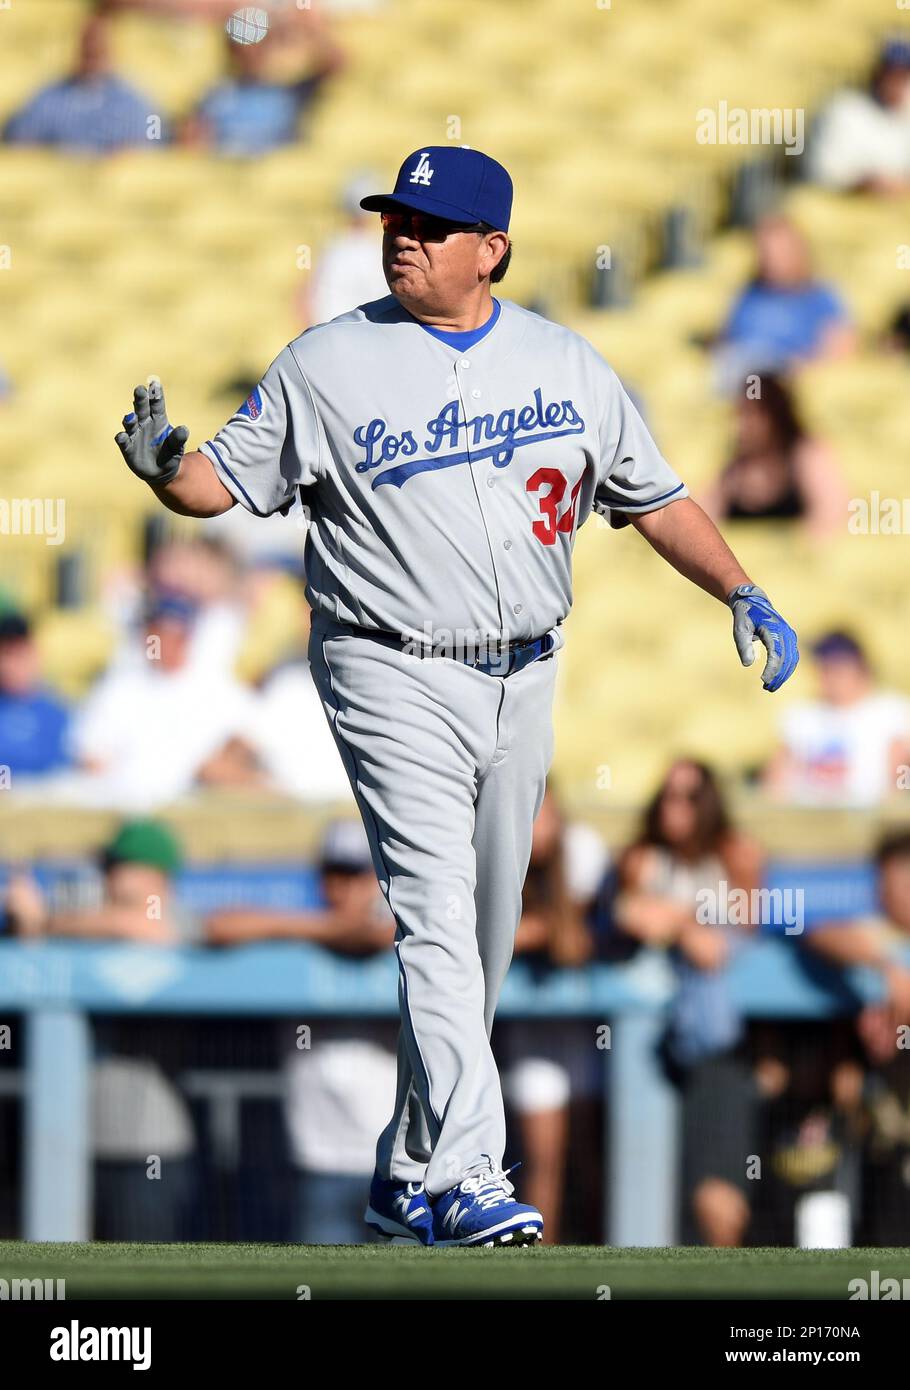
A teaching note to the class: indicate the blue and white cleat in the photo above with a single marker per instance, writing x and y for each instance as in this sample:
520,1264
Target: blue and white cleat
400,1210
480,1210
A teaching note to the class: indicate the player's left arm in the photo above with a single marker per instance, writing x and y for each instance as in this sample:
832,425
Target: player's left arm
686,537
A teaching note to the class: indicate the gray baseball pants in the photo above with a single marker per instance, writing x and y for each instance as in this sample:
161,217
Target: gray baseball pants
448,766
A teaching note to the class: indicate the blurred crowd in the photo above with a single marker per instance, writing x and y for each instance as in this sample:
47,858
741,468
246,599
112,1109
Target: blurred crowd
170,715
785,317
249,112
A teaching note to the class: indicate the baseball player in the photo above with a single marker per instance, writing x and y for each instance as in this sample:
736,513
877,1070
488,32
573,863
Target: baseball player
447,445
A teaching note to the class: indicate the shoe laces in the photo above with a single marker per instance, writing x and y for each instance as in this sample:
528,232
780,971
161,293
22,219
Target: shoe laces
491,1187
404,1199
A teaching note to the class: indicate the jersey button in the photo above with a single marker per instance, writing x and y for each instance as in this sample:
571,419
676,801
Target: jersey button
507,545
475,393
465,362
491,482
517,608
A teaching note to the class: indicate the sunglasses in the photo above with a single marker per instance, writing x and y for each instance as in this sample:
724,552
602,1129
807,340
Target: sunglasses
423,226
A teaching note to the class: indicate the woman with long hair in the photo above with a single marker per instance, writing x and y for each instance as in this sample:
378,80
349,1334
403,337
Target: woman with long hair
672,882
777,470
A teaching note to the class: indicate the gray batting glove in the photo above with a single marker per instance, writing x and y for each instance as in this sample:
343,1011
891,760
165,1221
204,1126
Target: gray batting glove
149,443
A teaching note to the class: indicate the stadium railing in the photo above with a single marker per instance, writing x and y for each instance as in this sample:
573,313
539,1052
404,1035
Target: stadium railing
56,988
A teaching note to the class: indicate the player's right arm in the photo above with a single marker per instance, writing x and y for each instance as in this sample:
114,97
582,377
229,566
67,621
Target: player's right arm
267,450
153,449
196,490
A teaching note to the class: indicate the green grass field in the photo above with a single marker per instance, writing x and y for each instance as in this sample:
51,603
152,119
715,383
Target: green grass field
114,1271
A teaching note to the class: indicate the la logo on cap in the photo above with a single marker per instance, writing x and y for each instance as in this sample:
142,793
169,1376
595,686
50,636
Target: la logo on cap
423,173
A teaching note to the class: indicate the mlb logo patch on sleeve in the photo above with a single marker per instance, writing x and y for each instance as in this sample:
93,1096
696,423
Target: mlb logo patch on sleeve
252,406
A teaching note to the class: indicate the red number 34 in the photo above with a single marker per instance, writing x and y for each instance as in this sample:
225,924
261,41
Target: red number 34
553,522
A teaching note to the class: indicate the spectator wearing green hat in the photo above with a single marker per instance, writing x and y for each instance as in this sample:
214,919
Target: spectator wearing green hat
142,1132
137,900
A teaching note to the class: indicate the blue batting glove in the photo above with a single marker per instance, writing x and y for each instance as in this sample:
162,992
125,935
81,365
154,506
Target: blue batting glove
754,615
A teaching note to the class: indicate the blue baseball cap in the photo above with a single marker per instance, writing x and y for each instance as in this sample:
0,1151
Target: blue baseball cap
167,605
450,181
838,646
895,53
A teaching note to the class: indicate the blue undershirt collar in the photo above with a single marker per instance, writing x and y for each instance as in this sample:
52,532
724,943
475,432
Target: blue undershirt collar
468,338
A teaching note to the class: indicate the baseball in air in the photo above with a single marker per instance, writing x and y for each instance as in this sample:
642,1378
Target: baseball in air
250,24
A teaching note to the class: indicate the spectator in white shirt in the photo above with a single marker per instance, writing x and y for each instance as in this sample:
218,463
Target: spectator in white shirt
347,271
293,741
847,747
206,572
862,140
150,730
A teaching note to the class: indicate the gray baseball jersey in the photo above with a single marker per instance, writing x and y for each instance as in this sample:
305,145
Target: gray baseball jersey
445,485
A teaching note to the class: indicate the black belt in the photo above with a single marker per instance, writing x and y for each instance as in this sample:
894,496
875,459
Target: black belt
493,659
